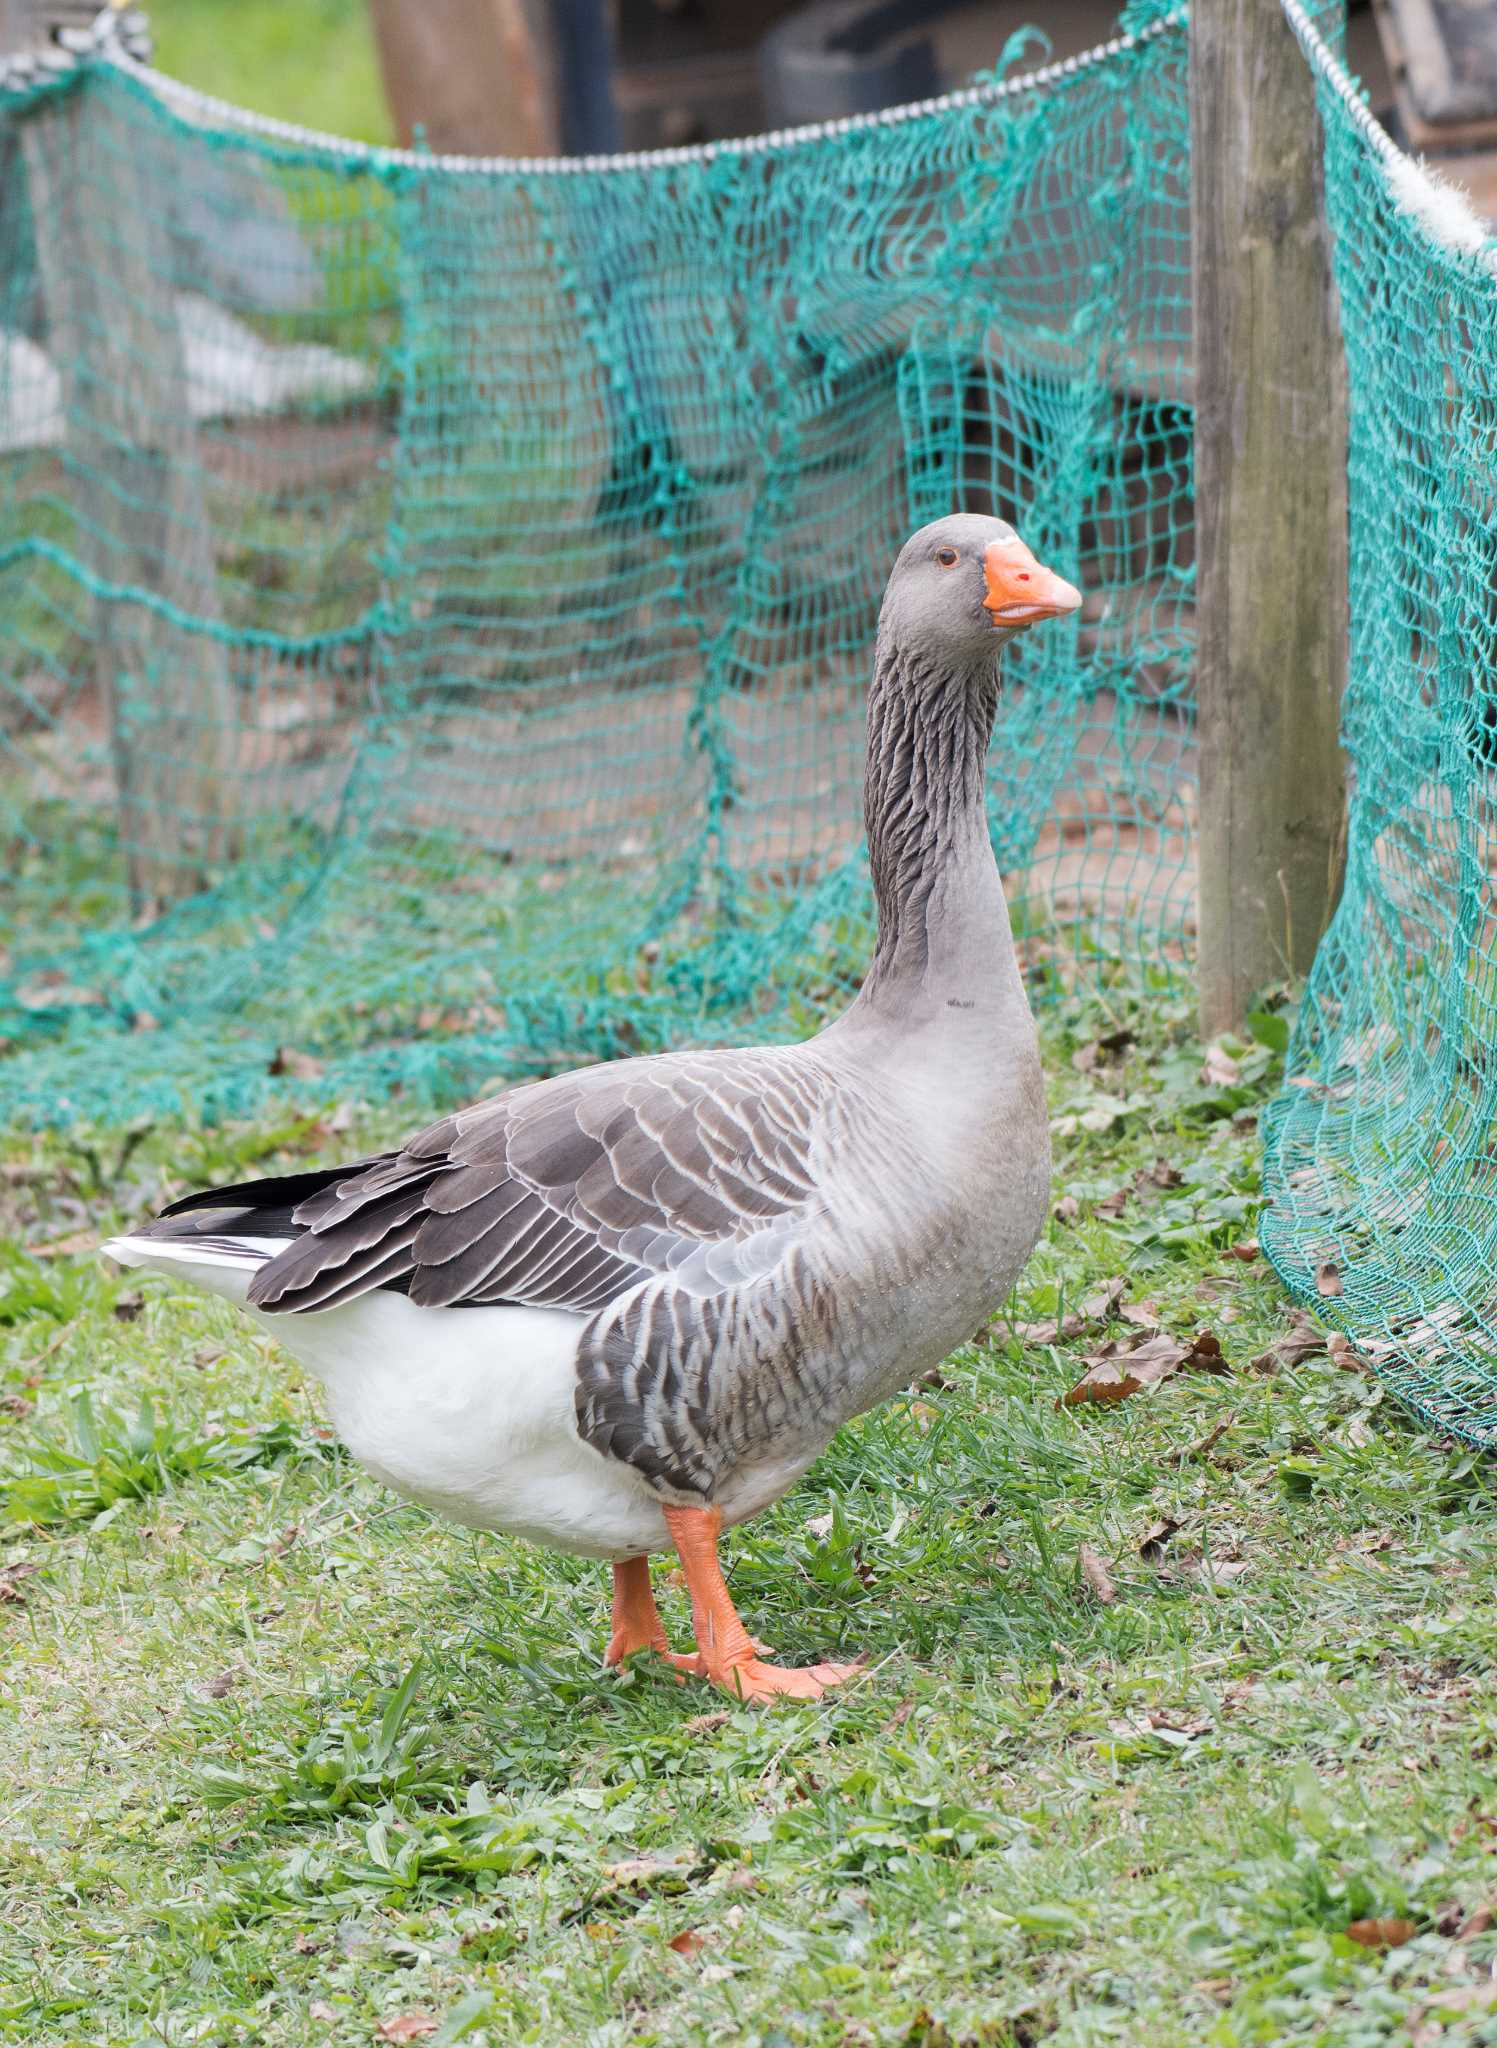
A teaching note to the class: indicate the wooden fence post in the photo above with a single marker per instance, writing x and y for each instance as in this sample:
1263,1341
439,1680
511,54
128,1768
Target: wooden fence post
113,335
1270,509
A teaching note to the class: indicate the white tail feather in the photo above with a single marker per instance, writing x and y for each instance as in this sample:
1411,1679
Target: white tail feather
221,1268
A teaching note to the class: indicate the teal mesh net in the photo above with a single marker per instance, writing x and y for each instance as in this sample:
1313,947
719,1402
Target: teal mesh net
436,600
1381,1155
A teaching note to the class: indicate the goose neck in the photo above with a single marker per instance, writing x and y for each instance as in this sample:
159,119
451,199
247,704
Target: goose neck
943,930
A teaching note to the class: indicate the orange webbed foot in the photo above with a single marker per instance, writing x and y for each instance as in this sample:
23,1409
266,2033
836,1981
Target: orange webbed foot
753,1680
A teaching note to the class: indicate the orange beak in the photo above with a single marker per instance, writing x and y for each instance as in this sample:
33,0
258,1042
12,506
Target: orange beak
1020,590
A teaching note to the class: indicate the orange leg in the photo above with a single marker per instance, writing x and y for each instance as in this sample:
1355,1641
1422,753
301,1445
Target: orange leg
729,1653
636,1620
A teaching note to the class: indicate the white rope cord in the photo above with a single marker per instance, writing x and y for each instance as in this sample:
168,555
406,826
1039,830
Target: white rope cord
210,110
1323,60
1442,208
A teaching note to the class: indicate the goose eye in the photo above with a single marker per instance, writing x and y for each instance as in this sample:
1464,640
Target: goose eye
946,557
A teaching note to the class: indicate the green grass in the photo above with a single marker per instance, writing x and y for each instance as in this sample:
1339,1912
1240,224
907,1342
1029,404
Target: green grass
311,61
282,1760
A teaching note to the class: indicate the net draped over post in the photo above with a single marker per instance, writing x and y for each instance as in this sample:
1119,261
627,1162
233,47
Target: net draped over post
436,598
1381,1155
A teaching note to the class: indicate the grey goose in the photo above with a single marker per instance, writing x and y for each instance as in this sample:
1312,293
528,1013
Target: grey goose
619,1310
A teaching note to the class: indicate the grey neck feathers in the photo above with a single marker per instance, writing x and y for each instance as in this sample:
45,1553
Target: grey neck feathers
942,922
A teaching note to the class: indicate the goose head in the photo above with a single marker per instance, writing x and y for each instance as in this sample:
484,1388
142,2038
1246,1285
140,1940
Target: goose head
963,587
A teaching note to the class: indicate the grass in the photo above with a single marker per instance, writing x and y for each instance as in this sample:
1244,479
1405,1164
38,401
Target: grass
310,61
285,1762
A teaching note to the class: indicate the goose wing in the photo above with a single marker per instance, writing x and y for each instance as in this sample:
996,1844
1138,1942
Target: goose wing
568,1192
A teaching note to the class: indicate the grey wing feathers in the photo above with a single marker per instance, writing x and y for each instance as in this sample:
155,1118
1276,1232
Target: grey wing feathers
566,1193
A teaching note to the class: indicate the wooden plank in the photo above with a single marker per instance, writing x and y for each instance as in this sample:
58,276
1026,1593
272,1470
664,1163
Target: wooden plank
476,76
1270,495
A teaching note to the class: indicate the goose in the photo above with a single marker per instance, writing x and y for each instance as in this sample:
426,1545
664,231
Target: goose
620,1310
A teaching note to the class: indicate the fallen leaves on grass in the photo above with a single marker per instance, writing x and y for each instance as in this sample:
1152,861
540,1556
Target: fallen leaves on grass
1345,1356
1067,1209
407,2026
1220,1070
1303,1339
690,1942
1247,1251
637,1871
66,1247
1427,2019
1114,1375
1328,1279
1097,1308
11,1576
705,1724
1381,1934
1097,1576
1152,1543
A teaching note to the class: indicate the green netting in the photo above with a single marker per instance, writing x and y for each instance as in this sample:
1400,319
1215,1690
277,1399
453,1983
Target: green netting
436,600
1381,1156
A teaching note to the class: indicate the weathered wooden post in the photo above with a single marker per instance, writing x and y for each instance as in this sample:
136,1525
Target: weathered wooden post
1270,509
114,338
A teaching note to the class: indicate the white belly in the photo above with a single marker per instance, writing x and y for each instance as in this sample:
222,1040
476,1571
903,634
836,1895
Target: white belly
470,1412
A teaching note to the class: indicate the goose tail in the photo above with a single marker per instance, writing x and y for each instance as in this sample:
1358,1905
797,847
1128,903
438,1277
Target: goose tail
222,1264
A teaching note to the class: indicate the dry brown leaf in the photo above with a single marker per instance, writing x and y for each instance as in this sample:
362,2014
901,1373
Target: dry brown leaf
1475,1923
319,2009
1097,1576
1178,1724
641,1870
1114,1376
1097,1308
11,1576
1303,1339
1143,1315
1155,1537
305,1946
1247,1251
1067,1209
820,1526
1223,1571
690,1942
704,1724
220,1686
407,2026
1381,1933
1328,1279
1113,1204
1220,1070
1345,1356
66,1247
1160,1175
301,1066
